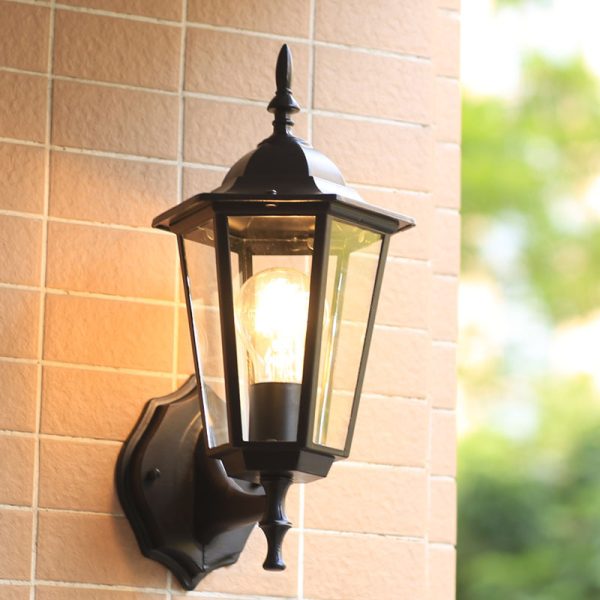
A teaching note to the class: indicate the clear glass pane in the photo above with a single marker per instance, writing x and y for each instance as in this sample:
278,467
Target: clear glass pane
352,269
271,263
201,263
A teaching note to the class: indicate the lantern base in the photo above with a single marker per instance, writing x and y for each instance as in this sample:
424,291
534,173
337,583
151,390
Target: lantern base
185,511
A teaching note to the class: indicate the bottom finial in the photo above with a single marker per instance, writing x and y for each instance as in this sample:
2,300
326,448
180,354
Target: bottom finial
274,522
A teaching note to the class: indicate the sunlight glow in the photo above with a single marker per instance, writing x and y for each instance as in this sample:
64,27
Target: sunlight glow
493,44
575,348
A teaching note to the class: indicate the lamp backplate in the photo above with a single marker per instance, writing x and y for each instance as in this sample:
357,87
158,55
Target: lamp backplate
185,511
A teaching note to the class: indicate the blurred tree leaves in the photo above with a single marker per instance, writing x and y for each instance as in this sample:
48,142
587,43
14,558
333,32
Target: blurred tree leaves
529,517
529,508
525,162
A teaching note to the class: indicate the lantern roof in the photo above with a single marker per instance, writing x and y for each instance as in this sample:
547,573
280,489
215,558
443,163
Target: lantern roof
283,167
284,163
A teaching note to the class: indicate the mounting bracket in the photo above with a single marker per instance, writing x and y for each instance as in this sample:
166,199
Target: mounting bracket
185,511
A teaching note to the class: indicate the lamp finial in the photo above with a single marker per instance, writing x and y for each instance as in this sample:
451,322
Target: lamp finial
283,103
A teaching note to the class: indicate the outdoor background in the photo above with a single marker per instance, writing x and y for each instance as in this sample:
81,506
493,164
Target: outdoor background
111,111
529,398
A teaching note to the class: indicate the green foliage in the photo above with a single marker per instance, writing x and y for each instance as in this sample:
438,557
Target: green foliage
529,508
529,511
524,162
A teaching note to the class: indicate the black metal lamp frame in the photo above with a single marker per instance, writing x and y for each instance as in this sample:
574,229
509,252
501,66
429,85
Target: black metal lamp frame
191,506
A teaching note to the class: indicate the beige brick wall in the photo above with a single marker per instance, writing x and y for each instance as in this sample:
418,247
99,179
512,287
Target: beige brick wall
113,110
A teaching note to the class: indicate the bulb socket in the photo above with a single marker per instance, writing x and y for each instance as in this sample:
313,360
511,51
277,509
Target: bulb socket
274,409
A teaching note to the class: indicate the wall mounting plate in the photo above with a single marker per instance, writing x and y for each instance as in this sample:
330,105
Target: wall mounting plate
185,511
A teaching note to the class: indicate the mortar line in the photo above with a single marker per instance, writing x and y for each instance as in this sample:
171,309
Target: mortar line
117,15
91,295
428,458
86,585
180,161
310,133
248,32
194,164
370,119
42,306
88,367
367,535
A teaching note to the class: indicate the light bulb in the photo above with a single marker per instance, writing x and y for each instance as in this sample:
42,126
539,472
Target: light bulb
271,317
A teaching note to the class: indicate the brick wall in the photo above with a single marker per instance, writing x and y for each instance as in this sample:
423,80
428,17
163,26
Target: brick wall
113,110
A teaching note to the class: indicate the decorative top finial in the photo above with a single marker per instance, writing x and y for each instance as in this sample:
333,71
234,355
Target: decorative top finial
283,104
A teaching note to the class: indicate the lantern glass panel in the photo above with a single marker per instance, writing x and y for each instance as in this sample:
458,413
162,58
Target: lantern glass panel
351,274
271,258
203,303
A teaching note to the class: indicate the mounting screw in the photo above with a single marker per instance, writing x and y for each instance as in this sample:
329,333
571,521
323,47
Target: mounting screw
152,474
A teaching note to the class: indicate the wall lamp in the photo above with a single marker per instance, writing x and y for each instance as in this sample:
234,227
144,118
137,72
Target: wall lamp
282,266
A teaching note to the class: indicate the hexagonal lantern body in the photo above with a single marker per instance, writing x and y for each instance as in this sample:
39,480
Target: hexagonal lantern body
282,266
281,290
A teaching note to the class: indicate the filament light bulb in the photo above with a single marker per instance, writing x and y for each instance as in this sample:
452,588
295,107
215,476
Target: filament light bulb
271,316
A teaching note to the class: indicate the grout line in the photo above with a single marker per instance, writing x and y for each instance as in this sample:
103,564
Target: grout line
59,437
79,512
20,361
448,210
180,159
83,585
301,530
20,286
355,464
227,99
249,32
406,260
196,165
447,478
117,15
88,81
9,140
376,396
92,152
367,534
208,167
87,367
454,78
382,188
379,326
450,277
375,52
5,212
445,343
310,122
370,119
118,226
6,69
241,31
453,13
19,508
180,162
456,145
114,84
230,596
428,500
42,305
443,545
90,223
92,295
79,439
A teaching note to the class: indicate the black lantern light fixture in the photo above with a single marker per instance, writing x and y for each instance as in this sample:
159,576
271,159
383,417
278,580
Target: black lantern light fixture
282,266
